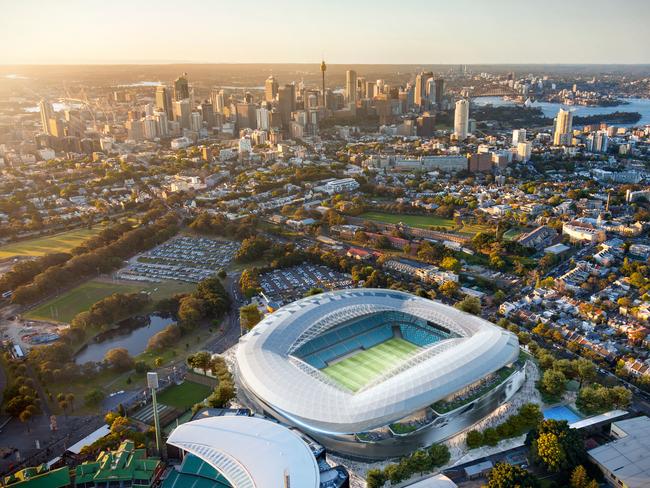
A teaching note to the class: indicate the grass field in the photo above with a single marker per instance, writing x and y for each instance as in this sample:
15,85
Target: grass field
64,307
43,245
423,221
185,395
513,234
360,369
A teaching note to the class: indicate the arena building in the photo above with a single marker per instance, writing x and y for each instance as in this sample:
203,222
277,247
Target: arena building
373,373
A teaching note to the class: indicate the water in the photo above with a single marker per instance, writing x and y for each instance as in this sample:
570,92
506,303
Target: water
133,335
550,109
561,413
141,84
57,106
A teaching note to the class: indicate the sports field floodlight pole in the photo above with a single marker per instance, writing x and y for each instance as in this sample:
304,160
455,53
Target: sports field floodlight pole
152,383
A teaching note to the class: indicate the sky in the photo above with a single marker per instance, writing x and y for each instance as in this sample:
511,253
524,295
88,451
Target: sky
343,31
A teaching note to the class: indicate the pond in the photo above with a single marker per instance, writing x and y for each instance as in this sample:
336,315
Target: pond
561,412
132,334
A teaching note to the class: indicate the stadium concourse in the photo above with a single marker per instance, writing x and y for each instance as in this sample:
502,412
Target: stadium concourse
373,373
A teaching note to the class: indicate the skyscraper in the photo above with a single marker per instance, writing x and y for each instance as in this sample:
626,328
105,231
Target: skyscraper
246,115
164,100
182,112
351,86
562,132
518,135
207,113
440,90
431,91
286,103
461,120
421,88
270,89
218,100
181,88
46,114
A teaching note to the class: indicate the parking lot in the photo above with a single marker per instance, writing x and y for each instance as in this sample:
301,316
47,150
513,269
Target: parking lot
189,259
288,284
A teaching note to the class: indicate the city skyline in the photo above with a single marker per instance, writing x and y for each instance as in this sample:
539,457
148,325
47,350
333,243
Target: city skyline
466,32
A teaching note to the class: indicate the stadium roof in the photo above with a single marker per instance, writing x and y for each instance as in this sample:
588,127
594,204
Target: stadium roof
305,396
249,452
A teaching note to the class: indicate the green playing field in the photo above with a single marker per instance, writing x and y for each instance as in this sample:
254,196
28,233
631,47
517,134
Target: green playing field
359,370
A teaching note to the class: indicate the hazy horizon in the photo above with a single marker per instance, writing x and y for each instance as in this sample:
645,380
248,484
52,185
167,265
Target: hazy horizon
78,32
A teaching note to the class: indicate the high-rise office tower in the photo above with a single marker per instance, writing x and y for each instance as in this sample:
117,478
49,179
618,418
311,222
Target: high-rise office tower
246,116
518,135
46,114
286,103
562,132
164,100
270,89
263,118
218,100
461,120
181,88
162,121
149,127
182,112
370,89
431,91
421,88
440,90
196,121
207,113
361,87
351,86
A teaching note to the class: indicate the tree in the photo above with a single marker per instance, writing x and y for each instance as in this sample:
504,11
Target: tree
158,362
450,263
420,462
375,478
585,370
249,316
119,359
550,452
201,360
553,382
474,439
439,454
120,424
505,475
551,435
449,288
580,479
94,397
190,311
470,305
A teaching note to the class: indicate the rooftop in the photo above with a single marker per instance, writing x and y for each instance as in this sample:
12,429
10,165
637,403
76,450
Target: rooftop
626,458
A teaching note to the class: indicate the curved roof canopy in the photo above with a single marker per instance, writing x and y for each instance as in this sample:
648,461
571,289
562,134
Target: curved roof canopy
308,398
250,452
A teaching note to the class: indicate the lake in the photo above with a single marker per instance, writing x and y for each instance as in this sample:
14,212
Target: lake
133,335
641,105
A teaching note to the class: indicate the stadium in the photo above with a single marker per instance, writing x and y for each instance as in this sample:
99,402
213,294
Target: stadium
373,373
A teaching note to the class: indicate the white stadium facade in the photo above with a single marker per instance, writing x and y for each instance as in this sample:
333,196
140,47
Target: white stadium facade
375,373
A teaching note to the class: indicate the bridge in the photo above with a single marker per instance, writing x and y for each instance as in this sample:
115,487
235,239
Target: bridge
492,91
